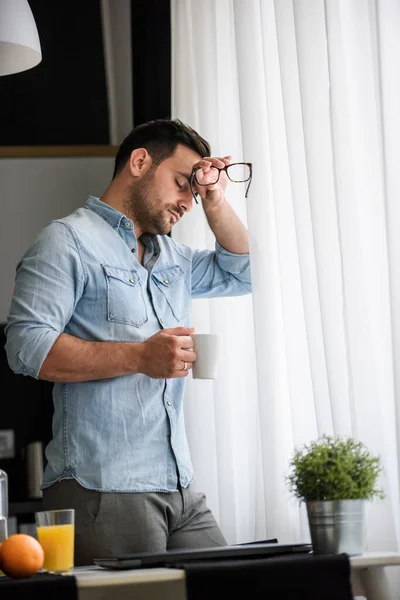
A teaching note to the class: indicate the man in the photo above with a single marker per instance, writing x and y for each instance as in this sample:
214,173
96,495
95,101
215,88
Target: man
101,308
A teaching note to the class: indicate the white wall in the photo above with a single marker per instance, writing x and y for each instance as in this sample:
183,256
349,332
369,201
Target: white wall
35,191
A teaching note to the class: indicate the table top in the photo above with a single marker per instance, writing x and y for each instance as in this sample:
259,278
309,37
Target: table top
98,576
93,576
375,559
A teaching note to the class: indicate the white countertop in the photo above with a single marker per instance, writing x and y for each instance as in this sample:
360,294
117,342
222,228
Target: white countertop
375,559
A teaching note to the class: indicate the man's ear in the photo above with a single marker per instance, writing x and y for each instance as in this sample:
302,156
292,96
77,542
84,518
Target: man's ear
140,162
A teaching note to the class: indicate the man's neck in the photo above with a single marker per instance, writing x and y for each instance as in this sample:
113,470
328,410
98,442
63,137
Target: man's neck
140,251
114,198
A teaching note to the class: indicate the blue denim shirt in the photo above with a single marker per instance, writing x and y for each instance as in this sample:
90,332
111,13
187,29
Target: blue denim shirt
81,276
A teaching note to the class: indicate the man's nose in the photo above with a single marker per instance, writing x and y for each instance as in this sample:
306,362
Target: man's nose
186,204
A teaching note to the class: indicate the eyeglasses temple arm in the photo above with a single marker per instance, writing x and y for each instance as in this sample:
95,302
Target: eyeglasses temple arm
247,189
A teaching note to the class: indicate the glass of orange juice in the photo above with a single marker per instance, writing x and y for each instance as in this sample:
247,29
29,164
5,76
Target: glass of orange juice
56,534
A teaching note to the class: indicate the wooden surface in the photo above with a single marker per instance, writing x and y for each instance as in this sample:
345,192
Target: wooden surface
56,151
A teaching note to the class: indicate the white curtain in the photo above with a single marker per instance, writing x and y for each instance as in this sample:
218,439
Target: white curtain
309,92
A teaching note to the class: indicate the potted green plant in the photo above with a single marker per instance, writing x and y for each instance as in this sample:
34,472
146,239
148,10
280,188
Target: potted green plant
335,476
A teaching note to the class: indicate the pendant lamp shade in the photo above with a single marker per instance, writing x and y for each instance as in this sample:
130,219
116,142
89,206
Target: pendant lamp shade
19,39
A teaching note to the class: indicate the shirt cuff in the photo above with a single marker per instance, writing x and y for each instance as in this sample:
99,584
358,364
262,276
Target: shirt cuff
230,262
33,354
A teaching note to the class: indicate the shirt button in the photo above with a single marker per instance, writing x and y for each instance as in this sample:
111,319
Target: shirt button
166,281
133,250
169,403
162,322
131,281
127,223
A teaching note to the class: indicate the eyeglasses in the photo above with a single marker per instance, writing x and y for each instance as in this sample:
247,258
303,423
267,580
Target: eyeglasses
236,172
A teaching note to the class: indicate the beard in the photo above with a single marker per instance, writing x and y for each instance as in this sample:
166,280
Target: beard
146,209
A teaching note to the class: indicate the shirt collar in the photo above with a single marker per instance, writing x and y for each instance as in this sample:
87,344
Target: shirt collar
107,212
117,219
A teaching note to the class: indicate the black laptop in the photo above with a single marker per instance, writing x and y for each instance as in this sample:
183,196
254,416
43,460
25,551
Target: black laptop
171,558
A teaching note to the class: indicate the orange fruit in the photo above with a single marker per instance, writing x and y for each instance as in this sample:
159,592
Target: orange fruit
21,556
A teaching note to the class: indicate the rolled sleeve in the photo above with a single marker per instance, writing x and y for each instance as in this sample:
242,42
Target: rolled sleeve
220,273
48,284
237,264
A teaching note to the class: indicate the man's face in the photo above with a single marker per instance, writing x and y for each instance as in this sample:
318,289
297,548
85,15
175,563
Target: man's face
159,199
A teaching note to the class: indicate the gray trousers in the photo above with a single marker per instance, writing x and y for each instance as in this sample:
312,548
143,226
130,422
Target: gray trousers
108,523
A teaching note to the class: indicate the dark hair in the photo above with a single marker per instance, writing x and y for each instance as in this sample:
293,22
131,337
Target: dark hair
160,138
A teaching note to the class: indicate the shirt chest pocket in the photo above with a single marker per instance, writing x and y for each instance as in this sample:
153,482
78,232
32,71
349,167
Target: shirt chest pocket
172,288
125,299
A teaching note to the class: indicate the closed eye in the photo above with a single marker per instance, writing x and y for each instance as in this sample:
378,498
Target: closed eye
182,185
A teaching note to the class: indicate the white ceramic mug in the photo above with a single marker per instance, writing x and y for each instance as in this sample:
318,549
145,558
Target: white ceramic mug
207,347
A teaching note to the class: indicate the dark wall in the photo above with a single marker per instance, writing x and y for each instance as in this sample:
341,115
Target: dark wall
26,408
151,60
63,100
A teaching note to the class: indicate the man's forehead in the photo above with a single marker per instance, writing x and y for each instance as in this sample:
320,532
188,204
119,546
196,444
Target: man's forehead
184,158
